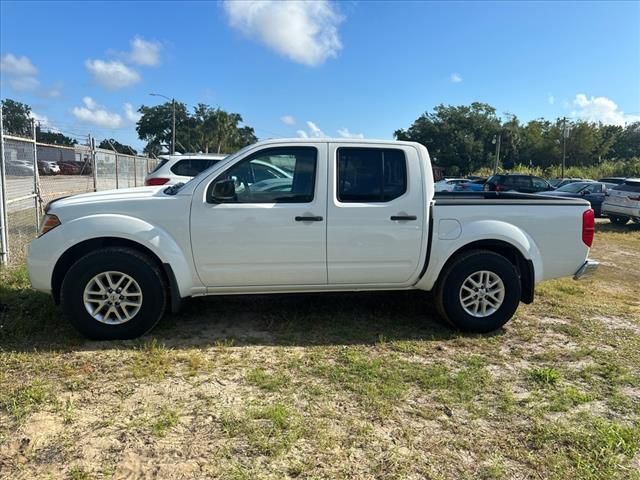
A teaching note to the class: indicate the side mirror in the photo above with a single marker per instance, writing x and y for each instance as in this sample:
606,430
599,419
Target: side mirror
222,190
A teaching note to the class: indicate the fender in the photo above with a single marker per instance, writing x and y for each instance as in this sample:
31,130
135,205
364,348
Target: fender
442,250
164,246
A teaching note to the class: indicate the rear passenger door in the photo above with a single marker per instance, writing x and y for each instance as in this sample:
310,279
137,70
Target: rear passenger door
375,214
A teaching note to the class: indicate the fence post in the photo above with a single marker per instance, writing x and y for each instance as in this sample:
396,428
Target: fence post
116,154
36,174
135,173
4,235
92,146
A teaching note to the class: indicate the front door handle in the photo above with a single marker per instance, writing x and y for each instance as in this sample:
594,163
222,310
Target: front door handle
308,219
403,217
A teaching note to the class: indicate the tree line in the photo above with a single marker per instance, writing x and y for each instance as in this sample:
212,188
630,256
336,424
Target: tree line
463,139
206,129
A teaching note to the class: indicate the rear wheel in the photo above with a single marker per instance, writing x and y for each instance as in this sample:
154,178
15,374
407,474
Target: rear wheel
113,293
479,291
618,220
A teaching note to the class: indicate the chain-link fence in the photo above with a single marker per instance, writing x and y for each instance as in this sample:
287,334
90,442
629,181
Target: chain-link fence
32,174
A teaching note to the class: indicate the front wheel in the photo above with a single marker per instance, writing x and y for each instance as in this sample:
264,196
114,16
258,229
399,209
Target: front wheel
618,220
479,291
113,293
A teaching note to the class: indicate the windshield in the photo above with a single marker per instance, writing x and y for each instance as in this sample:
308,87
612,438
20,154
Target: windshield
573,187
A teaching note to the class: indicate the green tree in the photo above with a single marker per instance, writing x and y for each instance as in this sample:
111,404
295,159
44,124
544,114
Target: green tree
458,137
54,138
627,143
155,125
16,118
110,144
208,129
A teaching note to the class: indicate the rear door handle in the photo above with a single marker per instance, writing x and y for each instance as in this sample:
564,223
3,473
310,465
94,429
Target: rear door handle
308,219
403,217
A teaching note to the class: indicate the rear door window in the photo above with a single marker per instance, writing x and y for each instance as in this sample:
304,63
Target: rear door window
517,181
371,174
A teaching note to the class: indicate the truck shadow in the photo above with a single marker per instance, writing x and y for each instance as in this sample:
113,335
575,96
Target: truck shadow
268,320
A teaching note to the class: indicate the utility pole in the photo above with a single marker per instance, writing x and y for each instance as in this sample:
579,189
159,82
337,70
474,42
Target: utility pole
564,144
497,139
173,120
173,128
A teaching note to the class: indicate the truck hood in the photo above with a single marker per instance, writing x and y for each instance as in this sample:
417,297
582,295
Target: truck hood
107,196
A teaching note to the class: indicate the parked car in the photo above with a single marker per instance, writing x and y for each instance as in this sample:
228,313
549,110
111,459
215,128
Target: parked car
356,216
75,167
448,184
471,186
593,192
616,180
623,202
19,168
516,183
561,182
174,169
48,168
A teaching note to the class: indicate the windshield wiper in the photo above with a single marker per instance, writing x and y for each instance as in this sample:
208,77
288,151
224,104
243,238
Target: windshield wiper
173,189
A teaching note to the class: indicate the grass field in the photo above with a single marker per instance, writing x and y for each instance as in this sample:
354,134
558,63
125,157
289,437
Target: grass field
356,386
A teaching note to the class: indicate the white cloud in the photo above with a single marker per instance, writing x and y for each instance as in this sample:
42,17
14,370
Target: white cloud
113,74
551,99
288,120
19,66
455,78
345,133
23,84
144,52
304,31
130,113
600,109
314,130
90,103
39,118
302,134
97,114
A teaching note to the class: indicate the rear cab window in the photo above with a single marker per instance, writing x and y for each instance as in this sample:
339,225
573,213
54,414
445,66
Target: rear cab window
367,175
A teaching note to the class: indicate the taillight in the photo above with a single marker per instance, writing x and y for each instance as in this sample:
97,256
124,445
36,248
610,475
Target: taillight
156,181
588,227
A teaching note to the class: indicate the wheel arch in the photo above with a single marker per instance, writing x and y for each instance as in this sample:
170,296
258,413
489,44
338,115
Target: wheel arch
77,251
524,266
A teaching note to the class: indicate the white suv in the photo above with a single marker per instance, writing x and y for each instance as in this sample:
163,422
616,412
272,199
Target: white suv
622,202
174,169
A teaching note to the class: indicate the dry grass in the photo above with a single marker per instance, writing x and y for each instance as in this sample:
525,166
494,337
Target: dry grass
355,386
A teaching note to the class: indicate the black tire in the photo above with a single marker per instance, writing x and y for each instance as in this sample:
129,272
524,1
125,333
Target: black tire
125,260
618,220
451,281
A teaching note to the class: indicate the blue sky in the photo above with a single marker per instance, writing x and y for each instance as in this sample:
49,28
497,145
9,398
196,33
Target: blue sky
323,68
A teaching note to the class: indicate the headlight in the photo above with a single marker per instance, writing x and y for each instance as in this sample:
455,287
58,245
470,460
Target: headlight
49,222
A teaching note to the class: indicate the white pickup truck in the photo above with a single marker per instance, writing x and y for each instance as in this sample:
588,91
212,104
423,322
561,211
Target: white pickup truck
349,215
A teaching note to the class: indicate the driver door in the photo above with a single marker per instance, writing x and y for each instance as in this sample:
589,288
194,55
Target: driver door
272,232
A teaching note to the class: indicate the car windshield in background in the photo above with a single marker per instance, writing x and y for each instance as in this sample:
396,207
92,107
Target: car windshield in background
573,187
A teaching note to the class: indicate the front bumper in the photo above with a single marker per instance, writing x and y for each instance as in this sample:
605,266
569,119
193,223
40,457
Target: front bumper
587,269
